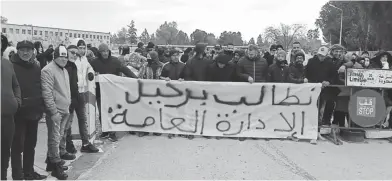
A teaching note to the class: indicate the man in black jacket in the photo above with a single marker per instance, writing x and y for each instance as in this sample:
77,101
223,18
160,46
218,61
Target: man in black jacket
221,70
77,105
28,73
10,102
105,63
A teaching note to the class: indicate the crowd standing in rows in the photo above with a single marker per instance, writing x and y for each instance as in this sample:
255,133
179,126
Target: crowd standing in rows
53,84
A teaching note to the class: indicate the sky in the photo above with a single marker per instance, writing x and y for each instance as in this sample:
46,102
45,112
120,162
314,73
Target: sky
250,17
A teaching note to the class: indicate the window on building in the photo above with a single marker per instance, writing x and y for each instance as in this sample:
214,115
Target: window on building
93,36
61,33
51,33
29,32
23,31
46,33
70,35
4,30
11,30
17,31
56,33
82,35
35,32
66,34
101,37
79,35
40,32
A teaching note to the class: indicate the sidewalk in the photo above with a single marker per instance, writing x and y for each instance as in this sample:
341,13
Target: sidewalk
40,153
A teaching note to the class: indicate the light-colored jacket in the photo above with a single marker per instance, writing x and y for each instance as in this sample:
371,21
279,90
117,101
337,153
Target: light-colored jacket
83,67
56,89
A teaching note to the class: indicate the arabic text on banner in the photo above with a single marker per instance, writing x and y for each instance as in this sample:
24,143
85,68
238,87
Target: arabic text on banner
269,110
369,78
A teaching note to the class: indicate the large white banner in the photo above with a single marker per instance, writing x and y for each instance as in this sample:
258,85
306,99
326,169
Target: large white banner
260,110
369,78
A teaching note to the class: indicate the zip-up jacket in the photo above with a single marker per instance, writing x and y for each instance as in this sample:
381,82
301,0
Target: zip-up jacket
55,88
257,68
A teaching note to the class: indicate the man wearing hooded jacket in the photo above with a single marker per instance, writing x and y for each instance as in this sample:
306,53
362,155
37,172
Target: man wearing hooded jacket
79,66
105,63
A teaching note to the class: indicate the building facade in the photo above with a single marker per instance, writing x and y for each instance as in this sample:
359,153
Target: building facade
51,36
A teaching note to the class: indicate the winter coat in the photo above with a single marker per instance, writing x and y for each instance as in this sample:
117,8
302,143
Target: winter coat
225,74
257,68
278,73
10,90
195,69
173,70
111,66
296,74
55,89
147,72
29,78
269,58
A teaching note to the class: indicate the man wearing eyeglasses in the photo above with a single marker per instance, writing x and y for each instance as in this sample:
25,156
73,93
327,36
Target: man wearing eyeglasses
77,52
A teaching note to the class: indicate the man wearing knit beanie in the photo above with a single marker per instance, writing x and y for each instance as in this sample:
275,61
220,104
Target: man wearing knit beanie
57,99
108,64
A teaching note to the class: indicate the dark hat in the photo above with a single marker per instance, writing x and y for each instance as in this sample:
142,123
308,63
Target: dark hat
365,52
200,48
25,44
153,55
140,44
273,47
223,58
72,46
60,51
150,45
217,47
187,50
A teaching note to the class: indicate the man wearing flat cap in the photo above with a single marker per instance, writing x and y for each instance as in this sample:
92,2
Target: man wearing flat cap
28,73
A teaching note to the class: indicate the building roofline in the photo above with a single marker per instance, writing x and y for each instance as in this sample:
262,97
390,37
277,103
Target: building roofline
55,28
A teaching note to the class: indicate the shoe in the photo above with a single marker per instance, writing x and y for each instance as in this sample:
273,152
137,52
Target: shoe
49,168
217,137
89,148
208,137
170,136
157,134
35,176
141,134
132,132
104,135
58,171
113,137
190,137
242,139
68,156
70,147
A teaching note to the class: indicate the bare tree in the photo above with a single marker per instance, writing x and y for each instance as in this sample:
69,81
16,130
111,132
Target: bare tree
4,19
285,34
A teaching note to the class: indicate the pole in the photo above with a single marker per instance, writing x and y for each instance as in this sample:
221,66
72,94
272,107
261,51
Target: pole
341,27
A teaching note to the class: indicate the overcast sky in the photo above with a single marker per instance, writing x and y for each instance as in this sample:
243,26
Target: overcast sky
250,17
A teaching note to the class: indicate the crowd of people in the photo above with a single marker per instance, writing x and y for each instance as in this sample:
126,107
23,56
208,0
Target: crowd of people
53,83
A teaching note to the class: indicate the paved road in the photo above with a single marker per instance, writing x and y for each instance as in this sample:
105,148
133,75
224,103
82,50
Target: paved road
161,158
